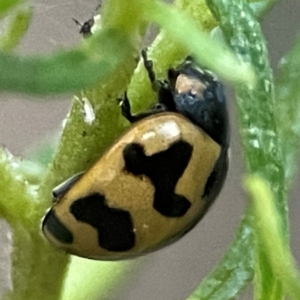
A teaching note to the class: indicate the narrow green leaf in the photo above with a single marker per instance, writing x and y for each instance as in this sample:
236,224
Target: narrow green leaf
65,71
209,53
16,29
268,234
234,271
267,285
97,279
7,4
125,15
72,70
287,109
257,125
256,106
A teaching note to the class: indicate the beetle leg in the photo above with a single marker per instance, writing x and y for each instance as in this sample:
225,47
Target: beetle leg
163,88
126,108
156,84
148,64
165,96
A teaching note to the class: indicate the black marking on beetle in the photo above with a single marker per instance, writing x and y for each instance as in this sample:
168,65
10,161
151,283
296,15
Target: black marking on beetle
114,226
52,224
217,177
164,170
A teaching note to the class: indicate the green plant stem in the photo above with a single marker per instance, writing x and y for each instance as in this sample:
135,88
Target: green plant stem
33,264
18,203
30,251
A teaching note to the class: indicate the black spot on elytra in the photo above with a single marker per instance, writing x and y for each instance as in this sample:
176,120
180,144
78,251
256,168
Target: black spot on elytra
114,226
217,177
210,183
53,225
164,170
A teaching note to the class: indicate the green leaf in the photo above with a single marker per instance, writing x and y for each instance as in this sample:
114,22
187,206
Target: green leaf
71,70
210,53
233,272
65,71
97,279
74,69
287,109
267,285
257,126
268,234
7,4
16,29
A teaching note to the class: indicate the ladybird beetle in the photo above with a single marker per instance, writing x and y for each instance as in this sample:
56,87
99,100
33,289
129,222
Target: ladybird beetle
156,181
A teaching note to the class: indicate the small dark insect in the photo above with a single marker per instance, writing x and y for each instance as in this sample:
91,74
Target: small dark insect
86,27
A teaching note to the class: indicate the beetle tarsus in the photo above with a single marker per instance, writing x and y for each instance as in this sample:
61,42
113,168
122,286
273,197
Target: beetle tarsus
148,64
126,108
